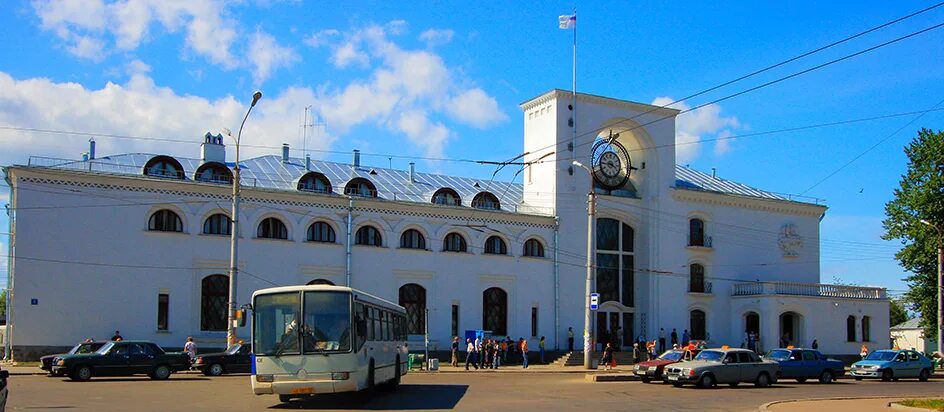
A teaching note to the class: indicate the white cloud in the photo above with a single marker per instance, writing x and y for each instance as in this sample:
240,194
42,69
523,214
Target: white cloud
265,54
434,37
422,132
321,38
696,125
476,108
723,144
347,53
137,67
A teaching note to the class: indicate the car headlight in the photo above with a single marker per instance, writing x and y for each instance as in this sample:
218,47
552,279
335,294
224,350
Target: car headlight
340,376
60,362
872,367
264,378
636,368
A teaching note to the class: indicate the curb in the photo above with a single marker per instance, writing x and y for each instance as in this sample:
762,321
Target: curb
767,405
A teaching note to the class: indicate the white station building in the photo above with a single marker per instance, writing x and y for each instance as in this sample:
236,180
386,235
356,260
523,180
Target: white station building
140,243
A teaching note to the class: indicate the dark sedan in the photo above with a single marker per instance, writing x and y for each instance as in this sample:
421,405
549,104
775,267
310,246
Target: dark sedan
236,359
803,364
46,362
124,358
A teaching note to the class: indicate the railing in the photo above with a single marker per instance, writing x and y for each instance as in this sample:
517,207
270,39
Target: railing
703,241
699,287
807,289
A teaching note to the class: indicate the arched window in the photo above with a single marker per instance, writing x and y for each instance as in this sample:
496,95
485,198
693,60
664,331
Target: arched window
164,166
494,245
615,262
272,228
321,232
368,235
866,326
696,232
454,242
495,311
696,279
214,296
218,224
486,200
314,182
321,282
413,299
533,248
359,186
165,221
697,324
412,239
213,172
448,197
850,329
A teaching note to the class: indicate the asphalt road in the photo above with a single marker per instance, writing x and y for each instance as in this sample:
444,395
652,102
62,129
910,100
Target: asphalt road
423,392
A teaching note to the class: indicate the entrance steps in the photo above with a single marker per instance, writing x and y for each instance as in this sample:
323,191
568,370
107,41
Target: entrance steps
576,358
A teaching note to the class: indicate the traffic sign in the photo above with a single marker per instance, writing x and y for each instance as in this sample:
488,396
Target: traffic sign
594,301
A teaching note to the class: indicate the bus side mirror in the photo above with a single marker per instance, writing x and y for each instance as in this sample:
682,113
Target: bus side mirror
241,317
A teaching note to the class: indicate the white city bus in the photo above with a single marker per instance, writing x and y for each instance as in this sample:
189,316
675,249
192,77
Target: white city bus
302,341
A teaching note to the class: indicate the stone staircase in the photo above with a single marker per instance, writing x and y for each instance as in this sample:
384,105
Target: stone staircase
576,358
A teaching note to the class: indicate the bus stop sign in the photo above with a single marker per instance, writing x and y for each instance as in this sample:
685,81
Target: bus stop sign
594,301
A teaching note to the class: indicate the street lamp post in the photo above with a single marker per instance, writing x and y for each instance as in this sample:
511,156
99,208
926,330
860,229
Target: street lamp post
940,285
234,234
591,206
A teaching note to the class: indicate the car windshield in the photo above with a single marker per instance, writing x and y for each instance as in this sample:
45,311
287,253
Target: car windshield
672,355
233,349
275,319
881,356
105,348
778,354
327,323
710,355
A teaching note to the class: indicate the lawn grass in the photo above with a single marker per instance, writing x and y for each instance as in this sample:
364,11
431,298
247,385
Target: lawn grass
930,404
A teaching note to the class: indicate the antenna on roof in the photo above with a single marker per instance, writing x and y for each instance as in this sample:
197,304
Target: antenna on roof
307,122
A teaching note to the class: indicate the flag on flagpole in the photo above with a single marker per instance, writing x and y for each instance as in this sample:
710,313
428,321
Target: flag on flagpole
568,21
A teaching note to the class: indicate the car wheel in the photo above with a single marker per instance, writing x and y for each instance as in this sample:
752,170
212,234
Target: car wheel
763,380
887,375
677,384
925,374
646,380
215,369
826,377
706,381
285,398
734,384
160,373
801,380
858,379
81,373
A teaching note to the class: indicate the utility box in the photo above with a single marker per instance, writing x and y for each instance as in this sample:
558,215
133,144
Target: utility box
433,365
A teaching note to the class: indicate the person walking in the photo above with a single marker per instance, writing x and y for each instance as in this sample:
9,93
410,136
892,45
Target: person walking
470,354
686,338
504,351
524,353
570,339
116,336
661,340
455,350
674,338
815,344
479,345
496,355
607,356
636,354
541,349
191,348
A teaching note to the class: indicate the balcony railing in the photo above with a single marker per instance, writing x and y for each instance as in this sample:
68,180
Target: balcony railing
695,286
807,289
699,241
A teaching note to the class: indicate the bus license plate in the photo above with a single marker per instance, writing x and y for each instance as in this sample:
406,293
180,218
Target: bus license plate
300,391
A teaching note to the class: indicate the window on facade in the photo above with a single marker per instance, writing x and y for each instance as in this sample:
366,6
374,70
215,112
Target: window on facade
321,232
360,187
218,224
368,235
850,329
696,278
697,324
696,232
214,295
615,262
325,282
164,166
495,311
163,306
533,248
413,299
865,328
534,322
447,197
486,200
455,320
412,239
314,182
454,242
165,221
213,172
272,228
494,245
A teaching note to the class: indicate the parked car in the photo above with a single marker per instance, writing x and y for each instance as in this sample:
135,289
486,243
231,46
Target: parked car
236,359
123,358
726,366
654,369
46,362
892,365
3,389
803,364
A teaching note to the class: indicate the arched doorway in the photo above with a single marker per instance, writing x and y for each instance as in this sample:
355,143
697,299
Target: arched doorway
495,311
751,330
790,329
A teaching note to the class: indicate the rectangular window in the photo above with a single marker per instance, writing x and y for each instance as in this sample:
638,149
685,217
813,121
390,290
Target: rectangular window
628,281
608,277
163,303
455,320
534,322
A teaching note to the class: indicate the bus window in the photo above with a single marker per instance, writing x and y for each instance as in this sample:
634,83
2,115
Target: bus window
378,335
327,324
275,319
360,325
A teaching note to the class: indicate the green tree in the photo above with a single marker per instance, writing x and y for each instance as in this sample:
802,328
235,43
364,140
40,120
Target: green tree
897,312
920,195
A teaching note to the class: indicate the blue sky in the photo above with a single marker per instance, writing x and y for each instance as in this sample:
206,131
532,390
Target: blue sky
443,80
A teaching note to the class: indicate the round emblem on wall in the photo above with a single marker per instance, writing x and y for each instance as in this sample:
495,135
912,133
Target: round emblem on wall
611,164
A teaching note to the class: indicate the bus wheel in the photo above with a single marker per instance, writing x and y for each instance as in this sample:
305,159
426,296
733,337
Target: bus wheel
285,398
395,383
370,377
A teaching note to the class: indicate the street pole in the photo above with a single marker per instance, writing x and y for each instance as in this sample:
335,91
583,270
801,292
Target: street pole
940,284
234,235
587,331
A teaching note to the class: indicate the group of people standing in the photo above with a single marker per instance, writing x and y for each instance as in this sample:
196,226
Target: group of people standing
491,353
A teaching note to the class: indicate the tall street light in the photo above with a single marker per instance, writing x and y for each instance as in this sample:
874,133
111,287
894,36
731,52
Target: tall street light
940,285
591,206
234,233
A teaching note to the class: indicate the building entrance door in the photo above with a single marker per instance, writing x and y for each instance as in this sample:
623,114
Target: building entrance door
615,327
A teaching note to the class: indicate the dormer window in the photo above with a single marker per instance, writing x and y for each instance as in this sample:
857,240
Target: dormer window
213,172
360,187
314,182
486,200
164,166
448,197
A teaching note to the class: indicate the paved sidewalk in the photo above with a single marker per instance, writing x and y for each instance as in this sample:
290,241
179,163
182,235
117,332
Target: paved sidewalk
533,368
835,405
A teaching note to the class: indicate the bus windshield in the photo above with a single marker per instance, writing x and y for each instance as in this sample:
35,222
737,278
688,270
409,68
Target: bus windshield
327,325
275,324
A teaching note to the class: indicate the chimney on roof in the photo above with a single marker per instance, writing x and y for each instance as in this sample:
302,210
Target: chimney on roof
714,172
412,172
91,152
284,152
212,149
307,161
357,158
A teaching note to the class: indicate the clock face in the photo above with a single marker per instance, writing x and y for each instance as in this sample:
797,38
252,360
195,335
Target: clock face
611,164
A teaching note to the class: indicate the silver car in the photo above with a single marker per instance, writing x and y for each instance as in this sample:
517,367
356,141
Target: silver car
724,366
